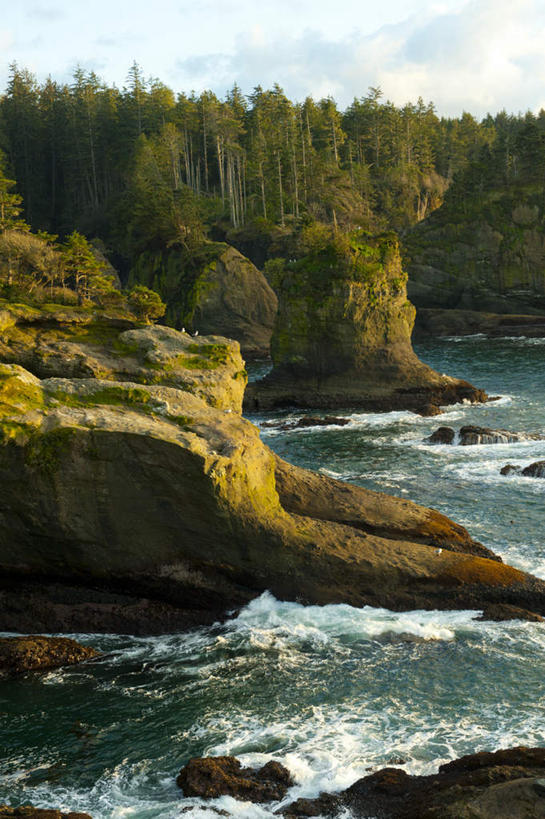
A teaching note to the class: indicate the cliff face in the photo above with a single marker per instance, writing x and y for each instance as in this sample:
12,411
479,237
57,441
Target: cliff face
487,253
343,334
218,291
116,492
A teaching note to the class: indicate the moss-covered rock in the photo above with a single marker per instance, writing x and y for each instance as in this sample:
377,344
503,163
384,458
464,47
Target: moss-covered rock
486,253
92,344
216,290
343,333
150,491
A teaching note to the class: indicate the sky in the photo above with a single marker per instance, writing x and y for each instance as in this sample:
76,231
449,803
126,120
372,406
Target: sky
464,55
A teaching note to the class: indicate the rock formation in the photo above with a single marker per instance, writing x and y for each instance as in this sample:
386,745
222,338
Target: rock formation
488,254
218,292
343,335
37,653
211,777
472,436
535,470
444,322
138,504
500,785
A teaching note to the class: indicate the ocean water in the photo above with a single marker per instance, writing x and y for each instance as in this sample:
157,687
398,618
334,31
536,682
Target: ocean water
333,692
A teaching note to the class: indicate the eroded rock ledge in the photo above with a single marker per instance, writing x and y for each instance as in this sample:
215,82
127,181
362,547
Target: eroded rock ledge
143,506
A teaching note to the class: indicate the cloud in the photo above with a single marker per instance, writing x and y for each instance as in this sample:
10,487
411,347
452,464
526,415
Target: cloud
46,13
484,57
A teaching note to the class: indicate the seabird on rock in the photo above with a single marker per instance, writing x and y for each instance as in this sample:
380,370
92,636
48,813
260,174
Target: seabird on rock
196,333
438,551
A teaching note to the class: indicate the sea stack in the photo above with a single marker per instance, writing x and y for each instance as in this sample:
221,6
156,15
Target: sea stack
343,334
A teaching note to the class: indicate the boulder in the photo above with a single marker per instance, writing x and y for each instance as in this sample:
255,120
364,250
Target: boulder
343,335
37,653
217,291
485,785
237,302
211,777
442,435
509,469
535,470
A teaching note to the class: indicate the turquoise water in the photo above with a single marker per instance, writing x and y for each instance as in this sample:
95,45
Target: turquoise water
332,692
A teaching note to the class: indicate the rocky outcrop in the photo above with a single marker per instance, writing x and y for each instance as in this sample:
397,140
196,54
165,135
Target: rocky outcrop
218,291
28,812
37,653
535,470
88,343
487,254
307,421
473,436
444,322
485,785
153,504
211,777
342,335
442,435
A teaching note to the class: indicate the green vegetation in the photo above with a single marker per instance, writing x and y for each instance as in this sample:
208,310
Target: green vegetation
163,179
145,303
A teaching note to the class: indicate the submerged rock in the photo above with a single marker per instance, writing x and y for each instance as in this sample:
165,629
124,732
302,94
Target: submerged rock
37,653
308,421
211,777
443,435
510,469
535,470
471,435
343,335
500,785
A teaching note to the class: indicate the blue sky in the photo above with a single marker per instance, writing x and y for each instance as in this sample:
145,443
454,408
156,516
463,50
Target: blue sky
473,55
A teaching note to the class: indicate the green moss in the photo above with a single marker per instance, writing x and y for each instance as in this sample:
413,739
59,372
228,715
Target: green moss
18,395
45,451
118,396
14,431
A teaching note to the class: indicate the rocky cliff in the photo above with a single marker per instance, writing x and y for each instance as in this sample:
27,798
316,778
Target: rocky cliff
343,334
140,506
217,290
485,252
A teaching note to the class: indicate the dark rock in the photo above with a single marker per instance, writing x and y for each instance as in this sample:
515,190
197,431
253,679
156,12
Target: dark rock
430,410
535,470
28,812
471,435
500,785
509,469
210,777
503,611
36,653
308,421
443,435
